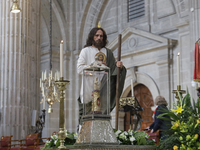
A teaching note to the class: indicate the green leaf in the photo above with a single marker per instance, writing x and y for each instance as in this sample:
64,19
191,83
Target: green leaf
194,105
171,114
186,101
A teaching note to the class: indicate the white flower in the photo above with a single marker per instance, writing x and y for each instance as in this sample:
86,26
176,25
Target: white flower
125,133
122,136
55,142
117,133
55,137
47,141
130,132
132,139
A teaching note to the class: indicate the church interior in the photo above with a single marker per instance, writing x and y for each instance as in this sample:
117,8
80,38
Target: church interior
153,33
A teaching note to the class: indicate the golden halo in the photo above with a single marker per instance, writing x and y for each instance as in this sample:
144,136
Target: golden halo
101,56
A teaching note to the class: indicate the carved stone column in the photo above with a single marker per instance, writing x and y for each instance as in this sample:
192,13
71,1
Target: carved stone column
19,66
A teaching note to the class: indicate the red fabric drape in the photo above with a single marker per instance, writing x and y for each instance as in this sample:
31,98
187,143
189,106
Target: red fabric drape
197,62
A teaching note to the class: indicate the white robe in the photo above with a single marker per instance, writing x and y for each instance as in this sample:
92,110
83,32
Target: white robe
86,57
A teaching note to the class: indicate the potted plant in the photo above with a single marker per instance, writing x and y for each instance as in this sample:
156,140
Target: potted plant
54,142
185,130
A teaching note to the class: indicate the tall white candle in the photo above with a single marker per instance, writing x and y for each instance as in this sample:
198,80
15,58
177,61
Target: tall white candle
45,75
61,58
49,80
178,68
132,87
58,75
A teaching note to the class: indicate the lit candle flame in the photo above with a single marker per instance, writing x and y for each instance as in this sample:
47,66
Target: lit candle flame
61,42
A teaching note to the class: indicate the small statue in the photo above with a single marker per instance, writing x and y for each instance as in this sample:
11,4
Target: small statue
97,99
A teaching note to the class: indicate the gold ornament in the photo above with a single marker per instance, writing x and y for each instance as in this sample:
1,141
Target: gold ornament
99,25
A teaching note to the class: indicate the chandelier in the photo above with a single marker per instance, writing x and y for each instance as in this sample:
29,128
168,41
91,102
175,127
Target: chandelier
49,89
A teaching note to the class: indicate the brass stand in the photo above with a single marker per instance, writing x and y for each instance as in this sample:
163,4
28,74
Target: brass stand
181,92
61,134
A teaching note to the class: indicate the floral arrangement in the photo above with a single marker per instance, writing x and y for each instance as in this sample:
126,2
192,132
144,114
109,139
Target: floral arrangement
133,138
55,142
185,130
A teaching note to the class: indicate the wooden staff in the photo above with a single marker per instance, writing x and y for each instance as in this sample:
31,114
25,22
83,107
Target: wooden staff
117,86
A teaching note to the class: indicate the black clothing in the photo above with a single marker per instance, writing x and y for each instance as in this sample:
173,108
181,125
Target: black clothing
160,124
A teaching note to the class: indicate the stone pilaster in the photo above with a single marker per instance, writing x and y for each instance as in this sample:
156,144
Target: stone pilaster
19,66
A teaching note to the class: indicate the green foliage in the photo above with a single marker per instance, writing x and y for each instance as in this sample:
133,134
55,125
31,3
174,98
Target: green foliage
185,131
54,142
133,138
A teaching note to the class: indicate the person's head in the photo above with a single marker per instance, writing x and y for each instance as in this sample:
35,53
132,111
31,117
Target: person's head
97,38
160,100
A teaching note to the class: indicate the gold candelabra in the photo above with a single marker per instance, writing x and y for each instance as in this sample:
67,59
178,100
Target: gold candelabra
61,134
179,91
49,90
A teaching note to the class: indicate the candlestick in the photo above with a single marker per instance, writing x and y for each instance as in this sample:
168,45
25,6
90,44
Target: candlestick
58,75
45,75
61,58
178,68
61,134
132,88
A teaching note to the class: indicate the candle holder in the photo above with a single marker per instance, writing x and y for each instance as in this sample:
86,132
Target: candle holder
181,92
61,134
48,91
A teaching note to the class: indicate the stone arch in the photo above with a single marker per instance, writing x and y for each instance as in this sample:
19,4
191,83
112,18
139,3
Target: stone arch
57,20
83,20
143,79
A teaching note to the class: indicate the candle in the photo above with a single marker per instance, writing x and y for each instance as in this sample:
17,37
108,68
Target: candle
178,68
45,75
42,75
58,75
49,80
61,58
43,91
132,87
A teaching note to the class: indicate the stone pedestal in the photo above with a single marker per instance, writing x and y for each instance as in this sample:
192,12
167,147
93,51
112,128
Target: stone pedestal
97,130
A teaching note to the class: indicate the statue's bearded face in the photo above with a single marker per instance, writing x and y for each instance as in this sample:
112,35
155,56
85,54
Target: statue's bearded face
98,39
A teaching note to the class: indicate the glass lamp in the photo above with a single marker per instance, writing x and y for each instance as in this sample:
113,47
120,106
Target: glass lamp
96,128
